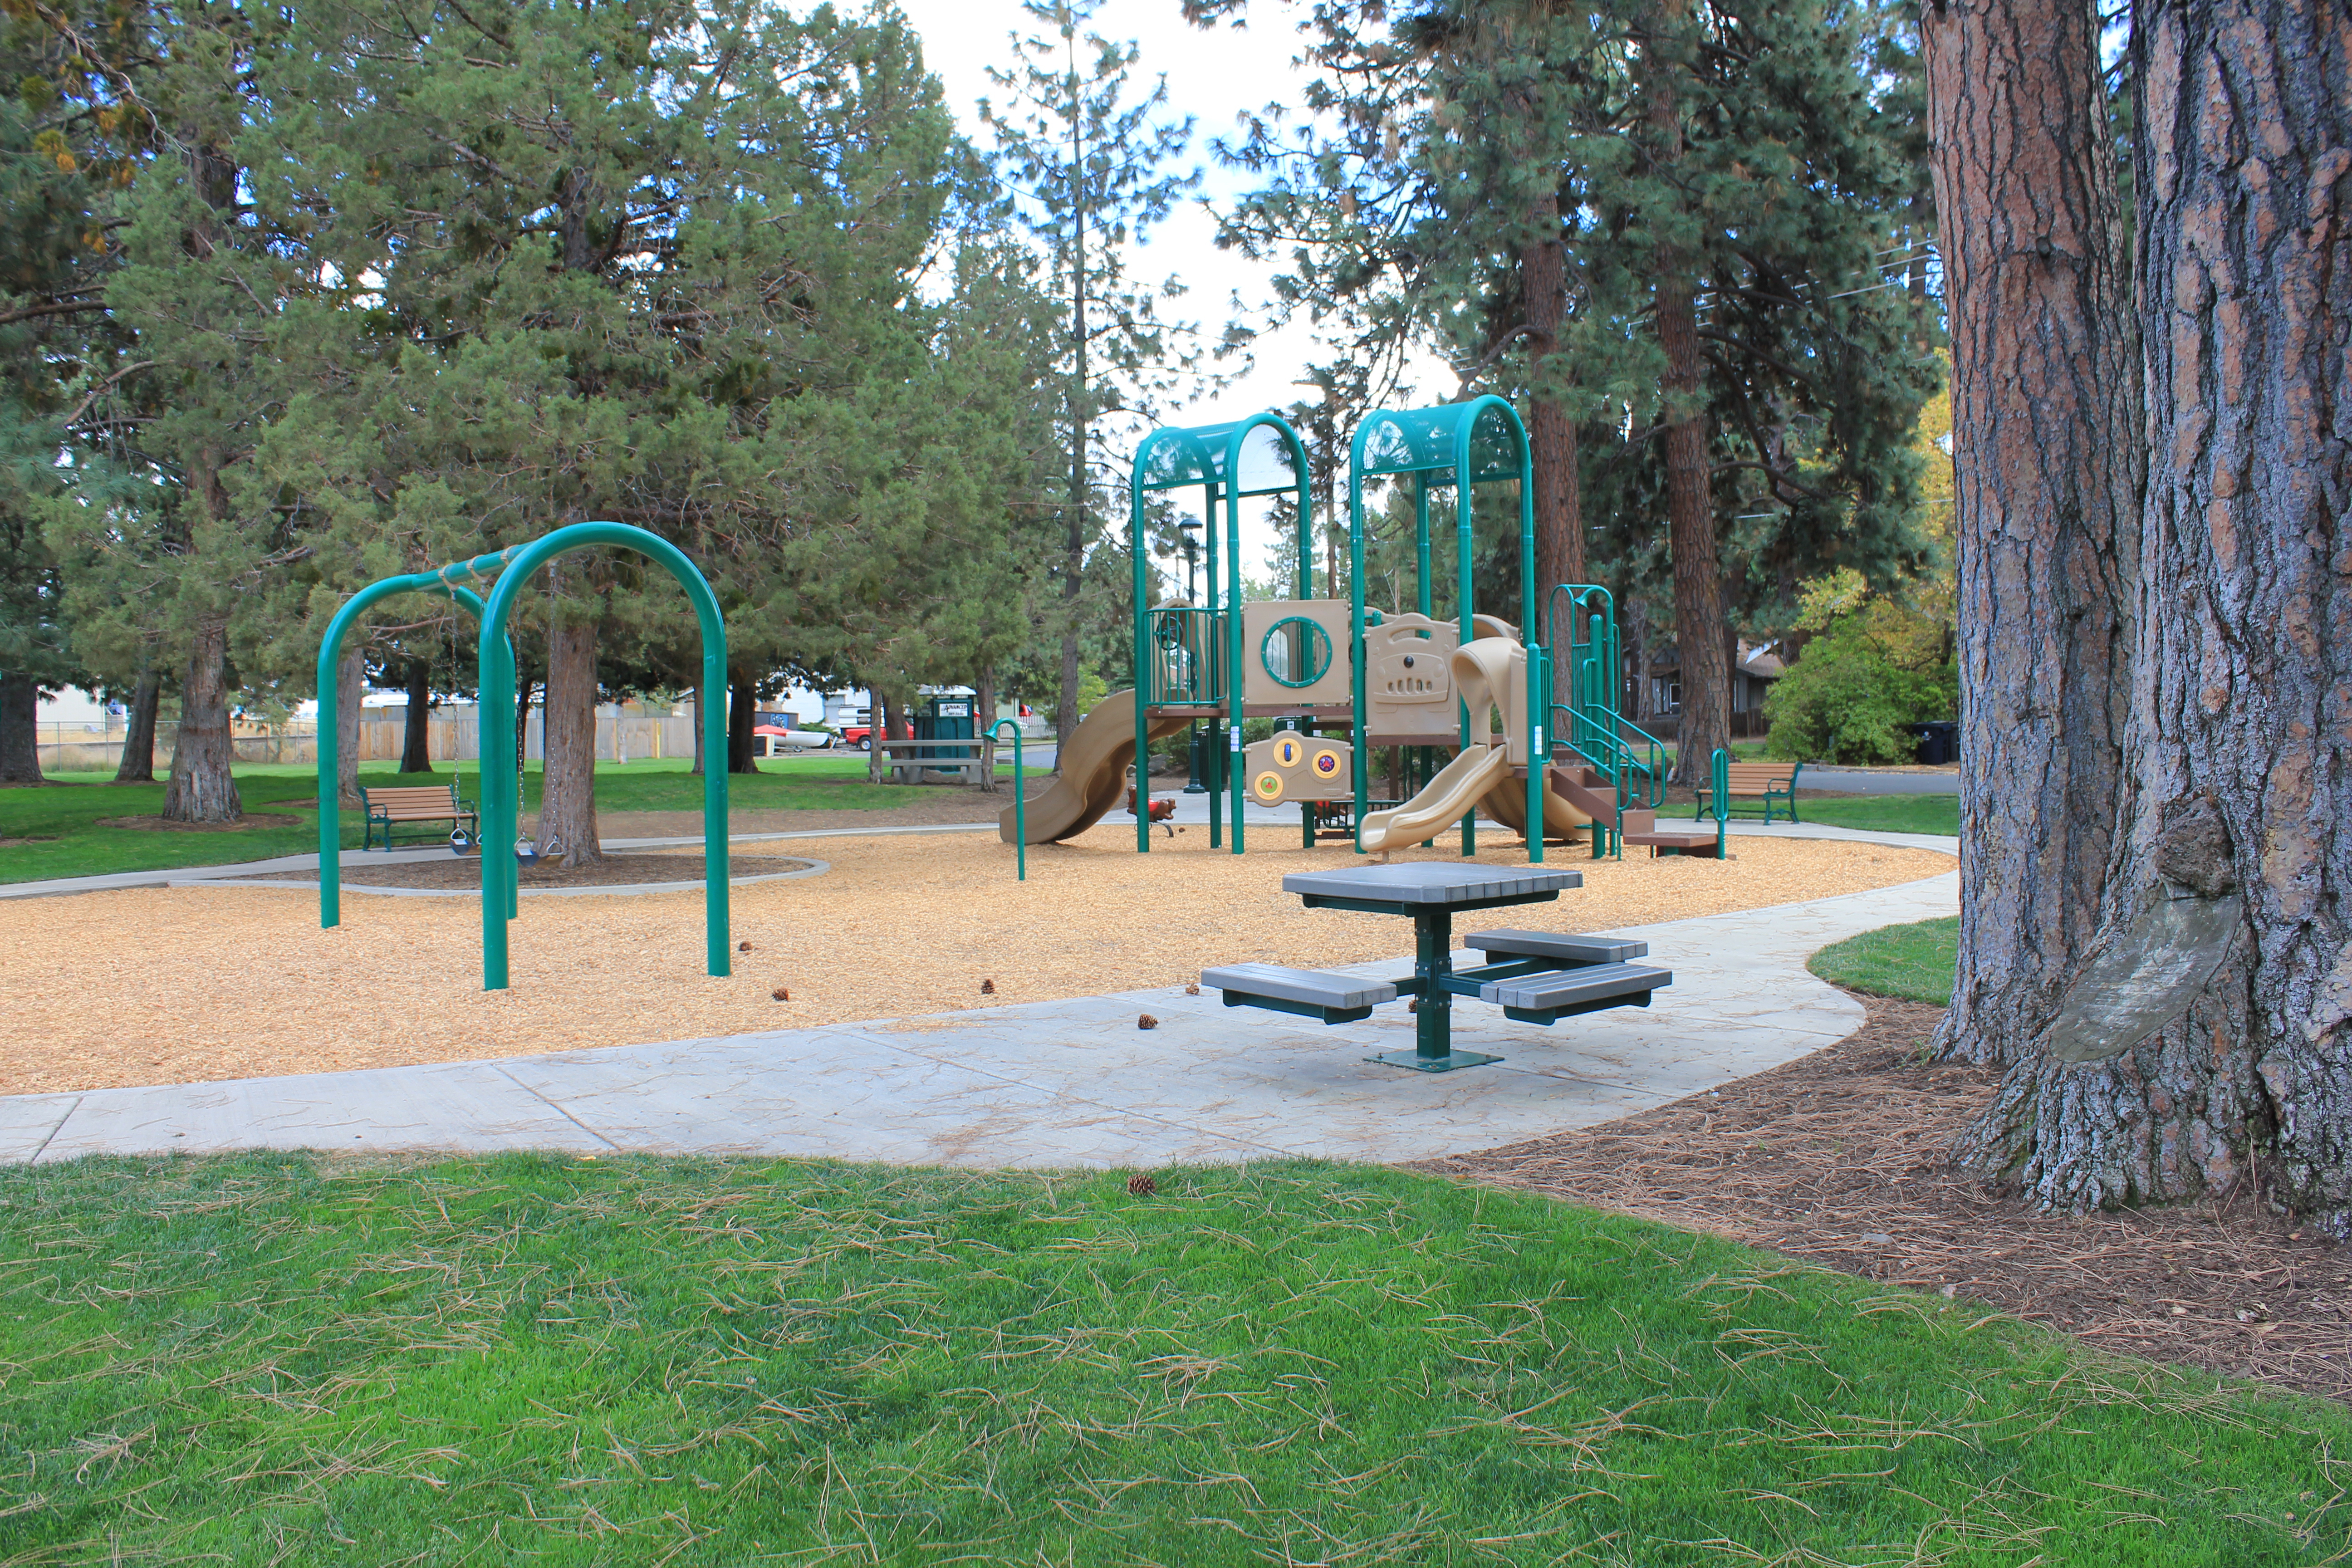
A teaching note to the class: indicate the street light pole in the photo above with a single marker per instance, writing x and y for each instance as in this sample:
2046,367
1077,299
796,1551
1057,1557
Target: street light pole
1188,533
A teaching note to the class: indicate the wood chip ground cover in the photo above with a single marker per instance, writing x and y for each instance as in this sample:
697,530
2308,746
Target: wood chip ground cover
166,985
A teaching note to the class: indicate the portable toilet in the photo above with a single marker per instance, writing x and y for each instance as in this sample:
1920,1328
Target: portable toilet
948,717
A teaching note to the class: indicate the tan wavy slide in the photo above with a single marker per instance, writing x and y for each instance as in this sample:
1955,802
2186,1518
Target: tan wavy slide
1490,673
1094,773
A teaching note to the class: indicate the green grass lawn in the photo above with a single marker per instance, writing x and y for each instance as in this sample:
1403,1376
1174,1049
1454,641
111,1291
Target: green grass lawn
1915,962
56,833
279,1359
1884,813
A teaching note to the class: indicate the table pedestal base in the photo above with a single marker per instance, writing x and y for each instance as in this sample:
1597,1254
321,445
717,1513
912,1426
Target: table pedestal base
1420,1063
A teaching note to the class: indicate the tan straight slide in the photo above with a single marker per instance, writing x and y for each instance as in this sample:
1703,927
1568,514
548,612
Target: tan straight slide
1094,773
1563,818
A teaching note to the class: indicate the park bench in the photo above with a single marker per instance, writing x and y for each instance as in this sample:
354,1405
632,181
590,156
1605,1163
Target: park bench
1765,782
388,806
1309,992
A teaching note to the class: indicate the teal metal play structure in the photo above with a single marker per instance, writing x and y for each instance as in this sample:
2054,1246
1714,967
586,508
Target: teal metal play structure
1338,678
501,785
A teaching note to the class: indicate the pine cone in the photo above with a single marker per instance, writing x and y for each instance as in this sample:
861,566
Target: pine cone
988,988
1146,1022
1141,1185
1191,988
781,993
742,947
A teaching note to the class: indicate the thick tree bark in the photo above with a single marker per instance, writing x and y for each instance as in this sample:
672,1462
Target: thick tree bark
203,787
20,729
878,729
1552,435
138,764
2045,442
743,713
2210,1044
1705,720
351,690
415,740
984,720
525,689
699,695
1699,625
567,801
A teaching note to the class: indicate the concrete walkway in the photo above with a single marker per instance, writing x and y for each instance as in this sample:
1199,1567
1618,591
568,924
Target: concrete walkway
1072,1083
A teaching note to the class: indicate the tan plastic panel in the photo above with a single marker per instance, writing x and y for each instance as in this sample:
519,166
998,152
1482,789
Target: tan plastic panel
1289,767
1333,686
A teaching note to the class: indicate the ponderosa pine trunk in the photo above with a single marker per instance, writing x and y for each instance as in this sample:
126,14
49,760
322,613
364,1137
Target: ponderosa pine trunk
202,786
2208,1044
698,694
2045,457
138,764
567,799
415,738
983,707
1552,434
20,729
351,690
1706,720
741,714
525,689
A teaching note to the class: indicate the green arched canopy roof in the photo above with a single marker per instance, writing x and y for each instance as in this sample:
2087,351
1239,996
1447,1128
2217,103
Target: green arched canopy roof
1170,459
1428,442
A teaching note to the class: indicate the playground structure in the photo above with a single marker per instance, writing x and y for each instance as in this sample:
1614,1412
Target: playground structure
501,801
1340,679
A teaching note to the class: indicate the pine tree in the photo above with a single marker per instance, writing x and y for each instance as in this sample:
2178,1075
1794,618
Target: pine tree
2198,1043
1087,168
1718,183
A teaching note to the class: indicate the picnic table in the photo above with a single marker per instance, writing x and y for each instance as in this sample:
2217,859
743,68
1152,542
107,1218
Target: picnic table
1534,976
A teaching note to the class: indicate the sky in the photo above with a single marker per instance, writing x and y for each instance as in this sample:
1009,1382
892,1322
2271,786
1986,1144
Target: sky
1216,77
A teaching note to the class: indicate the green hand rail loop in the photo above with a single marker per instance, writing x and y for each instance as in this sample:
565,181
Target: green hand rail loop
1020,802
330,652
502,789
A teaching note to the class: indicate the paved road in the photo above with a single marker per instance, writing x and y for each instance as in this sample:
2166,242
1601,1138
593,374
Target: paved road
1869,781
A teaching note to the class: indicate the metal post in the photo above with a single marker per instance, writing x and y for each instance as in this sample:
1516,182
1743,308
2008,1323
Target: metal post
1433,1033
501,805
1020,801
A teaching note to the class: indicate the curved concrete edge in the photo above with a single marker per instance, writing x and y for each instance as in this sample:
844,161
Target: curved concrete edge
814,868
1070,1083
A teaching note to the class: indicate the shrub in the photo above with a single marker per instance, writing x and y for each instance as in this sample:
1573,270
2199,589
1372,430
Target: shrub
1850,695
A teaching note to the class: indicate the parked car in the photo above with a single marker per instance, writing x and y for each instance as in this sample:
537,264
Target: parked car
769,740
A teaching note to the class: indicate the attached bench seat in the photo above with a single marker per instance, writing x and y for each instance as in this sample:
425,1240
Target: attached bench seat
1563,994
1564,946
385,806
1308,992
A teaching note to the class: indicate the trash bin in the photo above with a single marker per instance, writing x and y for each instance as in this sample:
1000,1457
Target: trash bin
1939,743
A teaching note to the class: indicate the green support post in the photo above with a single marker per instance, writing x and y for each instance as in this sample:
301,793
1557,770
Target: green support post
331,655
501,805
1021,802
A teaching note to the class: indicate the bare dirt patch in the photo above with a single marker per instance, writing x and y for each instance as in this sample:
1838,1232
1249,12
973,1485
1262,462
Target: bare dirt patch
465,875
250,819
177,985
1841,1158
